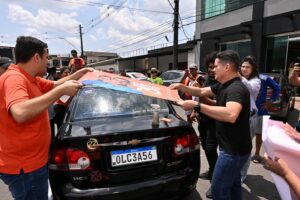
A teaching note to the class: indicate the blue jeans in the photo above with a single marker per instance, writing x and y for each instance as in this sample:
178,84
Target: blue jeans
29,186
226,180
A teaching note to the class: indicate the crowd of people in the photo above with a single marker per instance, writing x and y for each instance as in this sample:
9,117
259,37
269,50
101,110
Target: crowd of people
240,94
228,104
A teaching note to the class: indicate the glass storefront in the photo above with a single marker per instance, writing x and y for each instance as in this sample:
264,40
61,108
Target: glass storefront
281,52
276,54
243,48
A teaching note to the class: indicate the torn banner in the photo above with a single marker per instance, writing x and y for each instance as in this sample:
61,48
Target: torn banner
125,84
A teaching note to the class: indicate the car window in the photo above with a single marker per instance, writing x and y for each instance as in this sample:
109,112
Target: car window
171,75
100,102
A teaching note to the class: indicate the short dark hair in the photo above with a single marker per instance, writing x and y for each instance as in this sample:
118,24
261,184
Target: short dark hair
231,57
210,58
251,60
27,46
73,51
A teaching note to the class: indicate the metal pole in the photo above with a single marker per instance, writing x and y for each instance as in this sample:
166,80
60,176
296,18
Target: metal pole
80,32
175,42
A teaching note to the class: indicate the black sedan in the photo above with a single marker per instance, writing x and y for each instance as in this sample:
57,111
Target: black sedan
108,148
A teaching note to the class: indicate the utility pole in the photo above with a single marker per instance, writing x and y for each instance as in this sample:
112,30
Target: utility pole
80,33
175,42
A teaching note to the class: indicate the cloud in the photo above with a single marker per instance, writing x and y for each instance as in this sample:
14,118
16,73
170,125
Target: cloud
93,37
61,22
53,4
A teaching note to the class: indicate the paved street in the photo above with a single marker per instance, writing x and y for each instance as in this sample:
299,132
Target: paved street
258,185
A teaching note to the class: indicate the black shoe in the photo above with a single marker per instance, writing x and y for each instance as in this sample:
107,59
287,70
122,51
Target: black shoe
209,194
206,175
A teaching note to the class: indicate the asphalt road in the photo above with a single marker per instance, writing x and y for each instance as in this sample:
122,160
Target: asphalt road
257,186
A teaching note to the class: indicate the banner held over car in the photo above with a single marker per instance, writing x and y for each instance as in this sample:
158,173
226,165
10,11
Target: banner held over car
121,83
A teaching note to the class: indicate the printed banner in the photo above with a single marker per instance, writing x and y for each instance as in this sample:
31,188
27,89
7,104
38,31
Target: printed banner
278,144
125,84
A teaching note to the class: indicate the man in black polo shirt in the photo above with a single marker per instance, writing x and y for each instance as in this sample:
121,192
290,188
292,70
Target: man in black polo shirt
232,114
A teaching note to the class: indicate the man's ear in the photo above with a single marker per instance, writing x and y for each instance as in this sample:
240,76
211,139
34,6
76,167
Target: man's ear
36,57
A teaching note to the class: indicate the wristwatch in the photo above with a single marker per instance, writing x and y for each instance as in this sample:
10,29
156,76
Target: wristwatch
197,108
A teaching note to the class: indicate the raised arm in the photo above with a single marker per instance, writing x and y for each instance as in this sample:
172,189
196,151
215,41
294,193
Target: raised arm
294,78
77,75
194,91
24,109
228,113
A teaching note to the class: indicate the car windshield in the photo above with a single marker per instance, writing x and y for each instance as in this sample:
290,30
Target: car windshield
96,102
171,75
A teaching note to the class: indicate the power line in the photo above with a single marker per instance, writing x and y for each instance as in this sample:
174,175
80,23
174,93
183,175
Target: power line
143,40
101,20
97,4
171,4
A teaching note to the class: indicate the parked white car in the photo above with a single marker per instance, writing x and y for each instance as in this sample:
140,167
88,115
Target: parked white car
136,75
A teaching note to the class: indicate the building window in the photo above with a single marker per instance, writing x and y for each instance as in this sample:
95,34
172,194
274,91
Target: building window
56,63
213,8
276,54
216,7
243,48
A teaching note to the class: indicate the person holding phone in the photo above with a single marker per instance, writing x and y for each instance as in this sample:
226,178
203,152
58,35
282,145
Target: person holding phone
76,62
294,78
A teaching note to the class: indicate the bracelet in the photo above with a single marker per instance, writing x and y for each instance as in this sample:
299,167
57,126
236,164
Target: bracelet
197,108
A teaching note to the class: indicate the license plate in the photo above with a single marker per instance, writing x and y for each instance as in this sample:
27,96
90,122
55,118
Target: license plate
133,156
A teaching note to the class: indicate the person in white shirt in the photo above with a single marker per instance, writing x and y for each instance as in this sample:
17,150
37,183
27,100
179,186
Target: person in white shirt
250,78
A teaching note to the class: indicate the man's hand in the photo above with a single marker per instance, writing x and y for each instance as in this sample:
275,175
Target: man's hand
78,74
187,104
277,165
71,87
176,86
291,132
296,69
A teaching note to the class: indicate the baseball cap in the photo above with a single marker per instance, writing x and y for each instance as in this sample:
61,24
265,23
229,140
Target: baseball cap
5,62
153,70
193,66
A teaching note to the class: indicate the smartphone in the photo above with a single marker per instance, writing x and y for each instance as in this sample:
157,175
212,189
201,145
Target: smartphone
297,61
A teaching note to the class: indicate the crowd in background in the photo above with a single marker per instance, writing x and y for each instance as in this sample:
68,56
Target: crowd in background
228,104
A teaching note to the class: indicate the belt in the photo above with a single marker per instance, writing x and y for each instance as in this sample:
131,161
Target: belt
253,112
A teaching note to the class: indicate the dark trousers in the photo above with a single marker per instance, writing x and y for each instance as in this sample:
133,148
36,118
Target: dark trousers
207,130
29,186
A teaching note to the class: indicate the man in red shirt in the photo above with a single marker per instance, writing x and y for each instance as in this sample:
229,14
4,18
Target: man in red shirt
76,62
24,120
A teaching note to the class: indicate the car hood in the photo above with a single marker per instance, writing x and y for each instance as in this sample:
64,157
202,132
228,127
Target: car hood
119,125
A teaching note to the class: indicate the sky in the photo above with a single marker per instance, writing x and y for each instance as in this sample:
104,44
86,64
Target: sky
120,26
